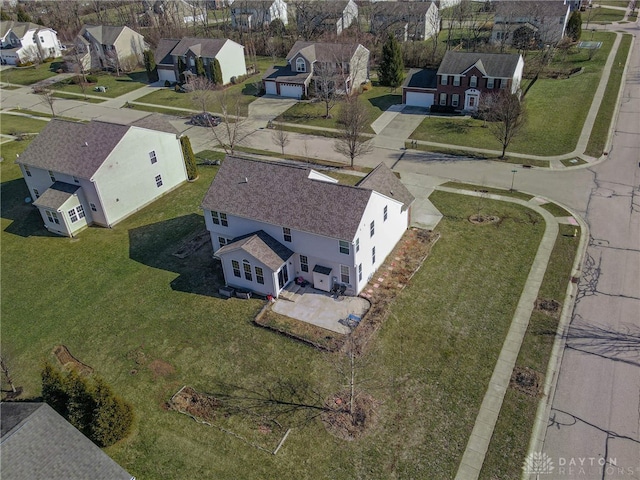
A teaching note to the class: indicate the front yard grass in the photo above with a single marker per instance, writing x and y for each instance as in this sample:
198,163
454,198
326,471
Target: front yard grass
30,75
78,97
556,111
120,301
17,124
603,15
116,86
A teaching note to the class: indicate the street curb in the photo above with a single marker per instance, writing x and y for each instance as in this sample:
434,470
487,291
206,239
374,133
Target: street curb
539,431
623,83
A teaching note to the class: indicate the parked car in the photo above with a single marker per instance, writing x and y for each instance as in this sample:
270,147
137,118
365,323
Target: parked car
205,120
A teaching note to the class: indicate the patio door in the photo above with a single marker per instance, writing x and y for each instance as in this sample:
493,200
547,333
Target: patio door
283,276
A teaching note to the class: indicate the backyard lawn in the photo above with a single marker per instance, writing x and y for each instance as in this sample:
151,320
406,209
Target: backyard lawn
150,323
116,86
29,75
556,110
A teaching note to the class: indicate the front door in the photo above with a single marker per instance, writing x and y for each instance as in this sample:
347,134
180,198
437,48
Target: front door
283,277
471,99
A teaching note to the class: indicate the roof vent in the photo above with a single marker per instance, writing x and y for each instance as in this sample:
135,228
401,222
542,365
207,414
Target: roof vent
246,180
86,144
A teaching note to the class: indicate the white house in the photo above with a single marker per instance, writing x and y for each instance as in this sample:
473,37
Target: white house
315,17
257,14
99,173
271,223
526,24
27,42
104,46
175,57
405,20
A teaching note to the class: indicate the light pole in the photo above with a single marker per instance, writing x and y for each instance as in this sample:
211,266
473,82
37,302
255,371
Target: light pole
513,178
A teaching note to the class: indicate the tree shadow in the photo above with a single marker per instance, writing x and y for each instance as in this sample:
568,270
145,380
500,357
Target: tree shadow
383,102
27,221
457,127
181,245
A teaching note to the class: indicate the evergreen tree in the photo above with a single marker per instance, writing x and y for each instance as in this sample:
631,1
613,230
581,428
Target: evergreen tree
391,68
22,15
112,416
4,15
200,71
574,26
150,66
53,389
189,158
80,403
181,67
216,75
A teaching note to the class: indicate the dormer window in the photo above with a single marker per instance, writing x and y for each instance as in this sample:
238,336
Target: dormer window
456,81
473,81
301,65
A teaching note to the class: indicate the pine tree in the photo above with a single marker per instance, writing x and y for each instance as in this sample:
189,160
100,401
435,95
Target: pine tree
189,158
181,67
150,66
80,403
112,416
391,68
22,15
200,71
216,75
53,389
574,26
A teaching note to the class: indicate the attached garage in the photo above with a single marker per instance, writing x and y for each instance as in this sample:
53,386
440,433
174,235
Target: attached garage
291,91
419,99
166,74
270,88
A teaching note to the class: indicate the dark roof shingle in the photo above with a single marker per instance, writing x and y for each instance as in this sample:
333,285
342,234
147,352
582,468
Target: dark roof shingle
497,65
261,246
55,196
382,180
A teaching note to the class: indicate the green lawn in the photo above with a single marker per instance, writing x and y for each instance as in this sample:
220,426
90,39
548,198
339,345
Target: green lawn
116,86
556,111
15,124
598,138
119,300
29,75
602,15
80,98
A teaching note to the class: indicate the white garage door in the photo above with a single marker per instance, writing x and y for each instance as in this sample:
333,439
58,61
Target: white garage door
270,88
291,91
166,75
419,99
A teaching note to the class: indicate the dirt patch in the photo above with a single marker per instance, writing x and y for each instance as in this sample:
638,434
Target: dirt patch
345,425
160,368
70,362
138,356
193,243
527,381
548,306
11,395
198,405
478,219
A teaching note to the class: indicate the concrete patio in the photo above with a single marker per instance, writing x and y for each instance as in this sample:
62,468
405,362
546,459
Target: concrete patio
321,309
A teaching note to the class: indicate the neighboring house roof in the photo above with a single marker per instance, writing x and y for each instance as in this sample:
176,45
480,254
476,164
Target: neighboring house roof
524,8
382,180
18,28
202,47
245,188
499,65
245,5
285,74
55,196
38,444
73,148
157,122
162,55
261,246
421,78
401,10
328,7
323,52
104,34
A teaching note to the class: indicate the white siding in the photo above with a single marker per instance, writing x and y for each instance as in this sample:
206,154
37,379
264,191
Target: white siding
270,285
231,58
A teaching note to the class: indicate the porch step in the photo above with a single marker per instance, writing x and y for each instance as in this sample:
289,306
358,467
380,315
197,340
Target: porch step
292,292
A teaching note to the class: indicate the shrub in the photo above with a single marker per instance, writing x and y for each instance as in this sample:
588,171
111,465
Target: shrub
189,158
112,416
92,79
28,63
167,83
366,86
442,109
234,80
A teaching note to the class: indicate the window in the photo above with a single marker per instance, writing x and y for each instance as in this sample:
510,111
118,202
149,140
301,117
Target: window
36,193
344,247
360,272
223,220
455,100
93,207
80,210
473,81
444,80
222,241
49,216
52,176
503,83
372,228
152,157
158,181
344,274
490,82
73,216
456,81
373,256
443,99
304,263
384,213
215,217
53,217
27,171
301,65
259,275
41,38
236,268
286,232
357,245
246,266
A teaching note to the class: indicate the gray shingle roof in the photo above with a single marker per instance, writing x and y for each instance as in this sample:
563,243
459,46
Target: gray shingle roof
400,10
73,148
421,78
104,34
533,8
203,47
55,196
498,65
284,195
38,444
261,246
323,52
162,54
384,181
285,74
19,28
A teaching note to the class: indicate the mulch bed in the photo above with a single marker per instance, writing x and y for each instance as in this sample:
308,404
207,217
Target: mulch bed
548,306
477,219
198,405
527,381
69,361
342,424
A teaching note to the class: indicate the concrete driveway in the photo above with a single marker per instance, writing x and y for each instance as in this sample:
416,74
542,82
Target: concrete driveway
399,127
267,108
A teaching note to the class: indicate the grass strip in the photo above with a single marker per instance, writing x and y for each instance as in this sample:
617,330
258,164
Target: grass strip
483,189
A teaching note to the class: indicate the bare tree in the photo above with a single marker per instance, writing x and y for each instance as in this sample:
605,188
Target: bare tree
353,119
233,129
280,137
6,371
324,81
46,94
201,90
75,63
506,117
